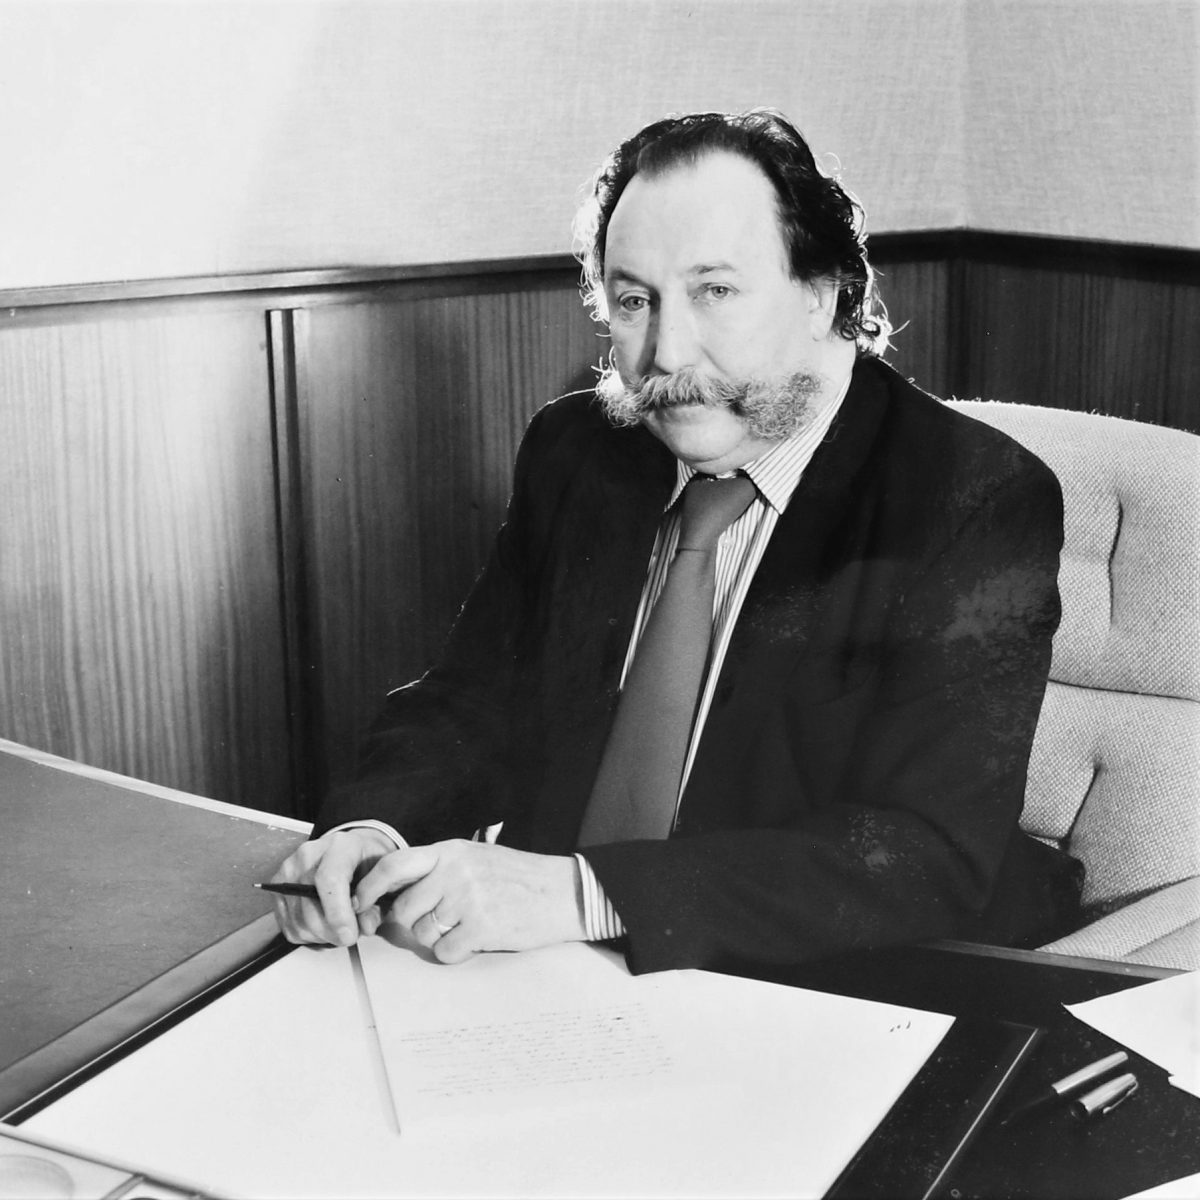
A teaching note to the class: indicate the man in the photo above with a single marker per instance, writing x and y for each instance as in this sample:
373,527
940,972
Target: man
843,764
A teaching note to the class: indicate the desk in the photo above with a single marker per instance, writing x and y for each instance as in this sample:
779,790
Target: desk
122,901
1150,1140
1154,1138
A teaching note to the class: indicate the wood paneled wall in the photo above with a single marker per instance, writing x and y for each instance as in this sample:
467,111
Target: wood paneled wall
139,582
1084,326
236,512
409,412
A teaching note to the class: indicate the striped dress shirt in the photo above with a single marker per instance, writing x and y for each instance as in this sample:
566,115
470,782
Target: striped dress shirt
739,552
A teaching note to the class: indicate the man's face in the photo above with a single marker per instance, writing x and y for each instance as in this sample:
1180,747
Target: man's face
697,280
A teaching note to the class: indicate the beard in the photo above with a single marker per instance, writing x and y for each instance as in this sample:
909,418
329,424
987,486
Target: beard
772,409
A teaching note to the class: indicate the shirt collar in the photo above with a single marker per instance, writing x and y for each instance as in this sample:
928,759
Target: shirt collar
777,472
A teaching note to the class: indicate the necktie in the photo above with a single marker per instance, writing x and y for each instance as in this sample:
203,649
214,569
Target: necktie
638,782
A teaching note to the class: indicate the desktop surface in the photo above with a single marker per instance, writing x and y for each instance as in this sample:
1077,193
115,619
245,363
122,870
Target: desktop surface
1152,1138
107,891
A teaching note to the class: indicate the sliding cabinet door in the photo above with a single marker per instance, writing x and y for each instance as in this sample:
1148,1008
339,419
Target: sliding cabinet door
140,624
410,409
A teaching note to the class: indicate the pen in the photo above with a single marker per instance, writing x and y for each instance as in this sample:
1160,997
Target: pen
1105,1098
289,889
310,892
1066,1087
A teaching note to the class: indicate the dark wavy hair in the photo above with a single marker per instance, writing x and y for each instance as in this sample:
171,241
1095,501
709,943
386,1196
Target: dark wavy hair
821,223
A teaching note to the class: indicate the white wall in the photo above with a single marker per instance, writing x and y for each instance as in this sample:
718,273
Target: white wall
159,138
1083,118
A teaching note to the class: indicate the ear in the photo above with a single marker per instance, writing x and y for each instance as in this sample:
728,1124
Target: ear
823,297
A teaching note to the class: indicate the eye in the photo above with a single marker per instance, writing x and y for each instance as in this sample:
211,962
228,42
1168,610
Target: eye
718,291
632,302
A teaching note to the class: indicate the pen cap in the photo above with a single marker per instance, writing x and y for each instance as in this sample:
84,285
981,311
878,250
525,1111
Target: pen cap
1085,1075
1105,1098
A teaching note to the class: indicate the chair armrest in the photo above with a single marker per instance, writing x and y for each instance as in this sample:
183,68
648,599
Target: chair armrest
1162,929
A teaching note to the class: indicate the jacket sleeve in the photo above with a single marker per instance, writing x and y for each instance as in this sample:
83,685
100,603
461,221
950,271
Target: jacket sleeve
927,808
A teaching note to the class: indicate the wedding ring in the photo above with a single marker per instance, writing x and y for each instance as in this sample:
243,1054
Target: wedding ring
442,929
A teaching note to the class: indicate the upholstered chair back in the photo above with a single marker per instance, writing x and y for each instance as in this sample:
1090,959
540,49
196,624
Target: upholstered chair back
1115,770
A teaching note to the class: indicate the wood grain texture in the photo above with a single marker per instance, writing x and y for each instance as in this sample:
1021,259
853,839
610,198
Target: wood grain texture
139,588
410,413
917,295
1077,339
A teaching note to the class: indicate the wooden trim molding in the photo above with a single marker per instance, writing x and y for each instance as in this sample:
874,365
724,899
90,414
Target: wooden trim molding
275,282
1174,264
1167,264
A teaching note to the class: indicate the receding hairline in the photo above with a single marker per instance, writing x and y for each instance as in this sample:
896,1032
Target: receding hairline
693,159
690,158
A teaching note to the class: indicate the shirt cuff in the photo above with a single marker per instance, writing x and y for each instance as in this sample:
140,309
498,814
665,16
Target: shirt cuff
382,826
600,920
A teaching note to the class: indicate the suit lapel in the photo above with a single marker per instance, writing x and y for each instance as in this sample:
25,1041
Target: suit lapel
811,545
636,477
602,537
808,543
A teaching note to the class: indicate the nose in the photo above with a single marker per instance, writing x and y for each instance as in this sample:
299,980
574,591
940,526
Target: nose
675,341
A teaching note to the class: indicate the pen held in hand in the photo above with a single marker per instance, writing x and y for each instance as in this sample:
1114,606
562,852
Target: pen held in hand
309,892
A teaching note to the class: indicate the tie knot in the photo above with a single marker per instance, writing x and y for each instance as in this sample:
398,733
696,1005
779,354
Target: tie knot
709,506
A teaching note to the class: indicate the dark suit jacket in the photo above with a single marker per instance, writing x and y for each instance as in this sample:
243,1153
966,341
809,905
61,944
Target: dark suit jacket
862,768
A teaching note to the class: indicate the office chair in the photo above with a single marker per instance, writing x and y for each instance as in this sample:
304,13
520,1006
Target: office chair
1114,775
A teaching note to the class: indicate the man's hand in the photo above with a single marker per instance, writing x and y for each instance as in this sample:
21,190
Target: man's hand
331,863
461,897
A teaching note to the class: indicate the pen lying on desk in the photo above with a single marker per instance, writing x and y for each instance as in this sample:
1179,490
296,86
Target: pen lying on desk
1071,1086
310,892
1106,1097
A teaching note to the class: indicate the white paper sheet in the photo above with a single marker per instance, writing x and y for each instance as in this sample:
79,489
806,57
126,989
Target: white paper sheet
1187,1188
276,1090
681,1082
533,1030
272,1090
1159,1020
